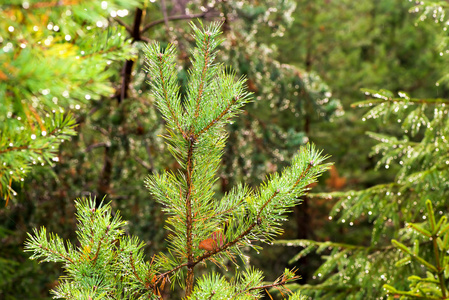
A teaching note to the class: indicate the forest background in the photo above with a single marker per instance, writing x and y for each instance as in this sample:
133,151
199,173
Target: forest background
306,63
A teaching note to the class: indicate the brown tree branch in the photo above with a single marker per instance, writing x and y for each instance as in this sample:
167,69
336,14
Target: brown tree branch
257,221
97,145
189,225
127,27
134,268
174,18
143,163
127,68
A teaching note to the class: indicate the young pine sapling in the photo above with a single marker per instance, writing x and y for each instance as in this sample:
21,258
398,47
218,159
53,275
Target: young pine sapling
202,228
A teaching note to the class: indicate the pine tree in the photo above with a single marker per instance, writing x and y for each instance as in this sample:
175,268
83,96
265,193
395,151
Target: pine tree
52,61
109,264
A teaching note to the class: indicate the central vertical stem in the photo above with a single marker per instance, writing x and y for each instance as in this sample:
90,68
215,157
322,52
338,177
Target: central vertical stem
190,266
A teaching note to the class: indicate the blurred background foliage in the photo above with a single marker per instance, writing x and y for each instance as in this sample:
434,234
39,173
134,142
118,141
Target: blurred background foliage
80,62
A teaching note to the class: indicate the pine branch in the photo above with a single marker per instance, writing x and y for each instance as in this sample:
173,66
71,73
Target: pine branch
94,259
162,64
258,221
134,268
66,258
301,177
206,56
437,101
280,282
164,82
217,119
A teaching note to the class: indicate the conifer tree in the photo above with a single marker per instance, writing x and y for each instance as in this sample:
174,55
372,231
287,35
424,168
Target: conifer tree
51,61
405,253
202,229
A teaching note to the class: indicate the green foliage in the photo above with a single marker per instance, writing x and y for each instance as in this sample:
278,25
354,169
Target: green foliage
201,227
349,44
288,98
435,241
420,157
22,145
50,61
246,285
411,145
56,58
119,143
101,267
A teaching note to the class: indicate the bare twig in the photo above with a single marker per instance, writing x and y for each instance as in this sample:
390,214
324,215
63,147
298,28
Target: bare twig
97,145
127,27
174,18
144,163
